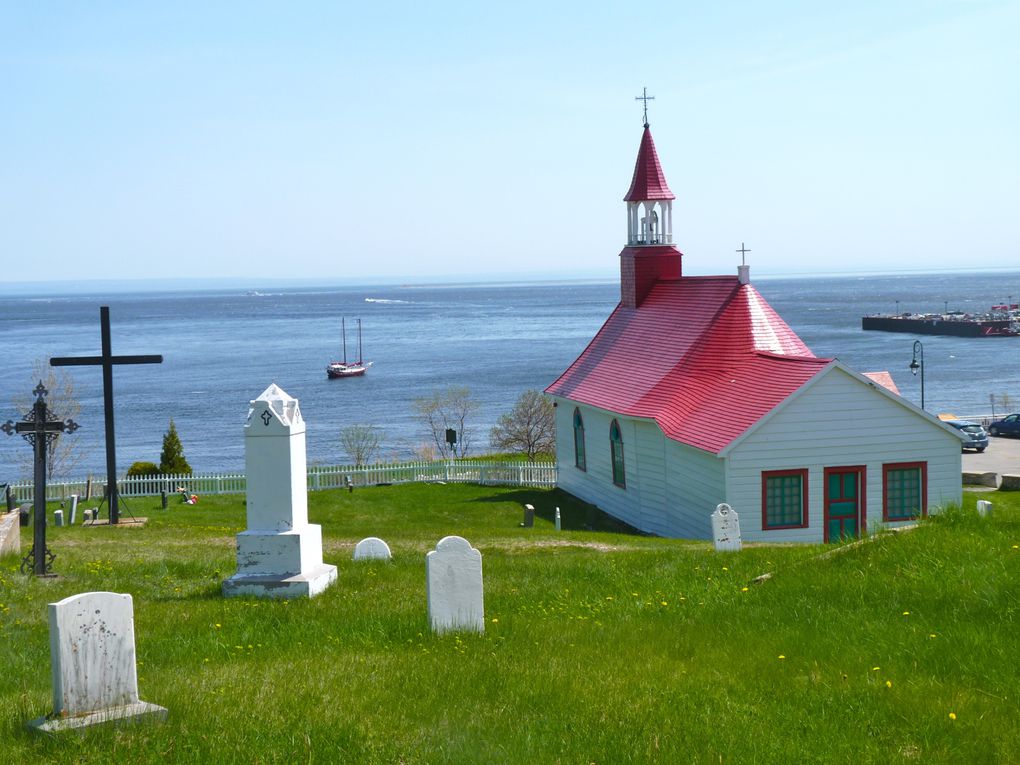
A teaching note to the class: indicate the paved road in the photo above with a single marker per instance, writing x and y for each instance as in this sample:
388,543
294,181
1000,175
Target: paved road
1002,456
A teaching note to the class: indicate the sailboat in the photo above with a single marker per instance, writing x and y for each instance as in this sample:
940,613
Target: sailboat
344,368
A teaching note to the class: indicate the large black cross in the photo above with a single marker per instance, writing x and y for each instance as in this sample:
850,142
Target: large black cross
107,361
40,431
743,251
646,98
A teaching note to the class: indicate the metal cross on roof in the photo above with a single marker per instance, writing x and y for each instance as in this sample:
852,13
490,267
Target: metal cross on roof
107,361
743,251
40,431
646,98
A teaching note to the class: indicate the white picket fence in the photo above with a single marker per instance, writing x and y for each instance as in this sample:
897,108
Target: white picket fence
319,477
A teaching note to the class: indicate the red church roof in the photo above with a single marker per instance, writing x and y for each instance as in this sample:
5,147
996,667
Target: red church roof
648,181
706,357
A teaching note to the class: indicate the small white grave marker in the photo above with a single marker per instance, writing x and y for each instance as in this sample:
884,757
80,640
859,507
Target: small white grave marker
372,548
726,529
984,507
58,517
454,586
92,651
74,510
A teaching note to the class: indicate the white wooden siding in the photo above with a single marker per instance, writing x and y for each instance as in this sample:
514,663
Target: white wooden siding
671,490
839,421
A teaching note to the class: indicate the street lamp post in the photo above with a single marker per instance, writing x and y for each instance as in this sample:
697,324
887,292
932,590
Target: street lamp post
915,365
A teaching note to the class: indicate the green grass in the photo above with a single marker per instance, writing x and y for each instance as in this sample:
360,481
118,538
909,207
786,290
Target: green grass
600,645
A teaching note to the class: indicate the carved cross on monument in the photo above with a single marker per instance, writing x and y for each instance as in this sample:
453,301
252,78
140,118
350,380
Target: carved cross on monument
36,428
107,361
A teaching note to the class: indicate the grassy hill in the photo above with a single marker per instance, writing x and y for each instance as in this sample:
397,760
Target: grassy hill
600,645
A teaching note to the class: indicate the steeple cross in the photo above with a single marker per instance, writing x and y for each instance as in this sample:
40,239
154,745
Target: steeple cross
646,98
743,251
107,361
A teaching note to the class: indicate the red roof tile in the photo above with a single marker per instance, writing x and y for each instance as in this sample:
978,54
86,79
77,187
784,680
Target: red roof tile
705,357
884,379
648,181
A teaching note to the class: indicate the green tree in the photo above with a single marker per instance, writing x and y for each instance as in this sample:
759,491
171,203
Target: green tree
171,459
529,427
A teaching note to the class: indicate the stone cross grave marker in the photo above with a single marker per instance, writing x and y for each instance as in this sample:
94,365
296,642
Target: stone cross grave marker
280,554
372,548
726,529
92,653
454,586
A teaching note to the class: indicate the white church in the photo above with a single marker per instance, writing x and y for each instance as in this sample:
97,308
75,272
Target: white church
695,392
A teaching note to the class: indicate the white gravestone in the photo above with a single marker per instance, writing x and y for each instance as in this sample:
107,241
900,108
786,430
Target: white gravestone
92,652
726,529
984,507
58,517
453,574
372,548
280,554
74,510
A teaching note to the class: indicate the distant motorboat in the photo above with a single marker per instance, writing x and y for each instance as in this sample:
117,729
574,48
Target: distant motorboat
335,369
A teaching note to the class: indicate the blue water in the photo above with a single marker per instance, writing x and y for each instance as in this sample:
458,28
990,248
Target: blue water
222,348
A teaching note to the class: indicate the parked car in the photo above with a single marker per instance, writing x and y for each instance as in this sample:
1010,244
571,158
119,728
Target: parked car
975,434
1007,426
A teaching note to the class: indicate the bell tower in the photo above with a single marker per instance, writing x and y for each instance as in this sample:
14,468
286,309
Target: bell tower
650,254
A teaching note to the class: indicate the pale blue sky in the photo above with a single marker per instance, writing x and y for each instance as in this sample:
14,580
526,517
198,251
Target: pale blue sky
270,140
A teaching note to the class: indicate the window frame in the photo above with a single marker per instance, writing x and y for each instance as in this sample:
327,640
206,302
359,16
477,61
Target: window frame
616,447
922,468
580,450
802,473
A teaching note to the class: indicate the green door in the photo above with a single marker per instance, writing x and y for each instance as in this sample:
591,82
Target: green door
843,489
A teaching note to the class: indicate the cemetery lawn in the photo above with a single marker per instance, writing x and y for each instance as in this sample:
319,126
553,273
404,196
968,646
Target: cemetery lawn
599,646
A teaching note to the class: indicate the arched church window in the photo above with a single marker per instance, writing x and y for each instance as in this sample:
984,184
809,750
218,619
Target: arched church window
616,451
579,459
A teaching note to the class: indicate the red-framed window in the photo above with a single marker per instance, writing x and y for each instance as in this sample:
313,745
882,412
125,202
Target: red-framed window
784,503
579,457
904,491
616,453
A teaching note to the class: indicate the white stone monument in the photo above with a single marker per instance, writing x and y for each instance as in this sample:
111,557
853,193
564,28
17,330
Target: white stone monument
454,586
280,554
372,548
92,652
74,510
984,507
726,529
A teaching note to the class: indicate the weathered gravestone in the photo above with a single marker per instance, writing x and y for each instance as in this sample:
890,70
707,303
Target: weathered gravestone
280,555
58,518
10,533
372,548
74,510
529,517
726,529
984,507
454,586
92,652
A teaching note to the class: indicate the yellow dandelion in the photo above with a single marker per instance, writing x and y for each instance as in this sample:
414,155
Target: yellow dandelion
952,715
743,589
875,669
1016,547
781,656
888,683
634,594
933,636
495,620
906,613
218,626
609,597
724,568
665,603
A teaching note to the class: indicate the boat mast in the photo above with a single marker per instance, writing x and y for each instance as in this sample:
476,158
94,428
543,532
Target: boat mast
343,332
359,342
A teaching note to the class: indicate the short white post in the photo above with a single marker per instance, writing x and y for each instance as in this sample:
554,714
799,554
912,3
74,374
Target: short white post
984,507
557,519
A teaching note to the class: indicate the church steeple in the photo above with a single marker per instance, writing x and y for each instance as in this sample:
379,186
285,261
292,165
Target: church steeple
649,255
649,200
